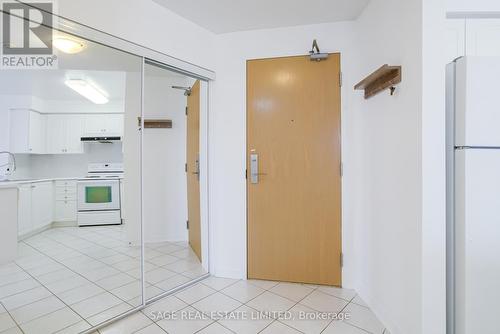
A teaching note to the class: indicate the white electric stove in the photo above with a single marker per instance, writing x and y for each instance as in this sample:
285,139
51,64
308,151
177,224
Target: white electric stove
99,201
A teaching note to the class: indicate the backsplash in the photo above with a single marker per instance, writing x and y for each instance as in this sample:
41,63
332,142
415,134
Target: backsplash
65,165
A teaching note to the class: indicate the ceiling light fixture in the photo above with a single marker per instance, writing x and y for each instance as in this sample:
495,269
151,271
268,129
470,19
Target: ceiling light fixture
68,45
88,90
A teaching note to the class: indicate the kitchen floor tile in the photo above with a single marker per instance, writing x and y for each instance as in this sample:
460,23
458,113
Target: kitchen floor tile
108,313
364,318
115,281
216,303
128,325
359,301
323,302
75,328
159,274
80,293
269,302
6,322
52,322
17,287
25,297
279,328
219,283
306,320
345,294
194,293
266,285
185,321
34,310
341,327
292,291
128,291
151,329
246,321
96,304
172,282
243,291
215,328
165,305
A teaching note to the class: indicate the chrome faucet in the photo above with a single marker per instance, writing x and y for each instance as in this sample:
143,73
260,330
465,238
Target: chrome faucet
11,163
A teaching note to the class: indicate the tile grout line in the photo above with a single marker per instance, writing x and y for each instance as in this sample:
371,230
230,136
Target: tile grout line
14,320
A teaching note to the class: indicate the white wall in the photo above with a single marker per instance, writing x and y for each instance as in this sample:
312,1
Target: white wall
434,62
73,165
165,183
388,232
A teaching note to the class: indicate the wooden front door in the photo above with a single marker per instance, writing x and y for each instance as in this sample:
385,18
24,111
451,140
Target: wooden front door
193,168
293,139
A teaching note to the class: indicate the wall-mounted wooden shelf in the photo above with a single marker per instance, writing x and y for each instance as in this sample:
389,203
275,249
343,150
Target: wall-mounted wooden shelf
156,123
384,78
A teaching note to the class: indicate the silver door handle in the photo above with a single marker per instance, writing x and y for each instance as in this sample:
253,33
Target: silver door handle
254,168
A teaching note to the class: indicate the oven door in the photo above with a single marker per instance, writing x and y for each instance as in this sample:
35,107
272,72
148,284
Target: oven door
98,195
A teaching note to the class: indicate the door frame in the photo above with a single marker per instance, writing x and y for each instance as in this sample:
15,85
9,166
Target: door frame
341,160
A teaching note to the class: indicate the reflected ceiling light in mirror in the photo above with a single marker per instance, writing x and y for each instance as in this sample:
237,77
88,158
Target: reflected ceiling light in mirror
68,45
88,90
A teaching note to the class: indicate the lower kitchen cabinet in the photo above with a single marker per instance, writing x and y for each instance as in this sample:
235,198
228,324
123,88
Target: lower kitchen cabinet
65,211
35,207
65,207
24,223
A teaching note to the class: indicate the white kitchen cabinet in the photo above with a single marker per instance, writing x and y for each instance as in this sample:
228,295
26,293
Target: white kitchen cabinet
64,134
35,207
104,124
24,223
27,131
42,213
65,211
65,201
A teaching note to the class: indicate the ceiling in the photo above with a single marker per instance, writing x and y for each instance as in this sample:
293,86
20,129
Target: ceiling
223,16
49,84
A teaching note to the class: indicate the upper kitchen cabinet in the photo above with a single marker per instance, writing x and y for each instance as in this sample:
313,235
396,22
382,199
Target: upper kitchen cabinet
105,124
28,130
64,134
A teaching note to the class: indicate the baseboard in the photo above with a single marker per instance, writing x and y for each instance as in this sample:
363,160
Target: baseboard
64,224
229,273
34,232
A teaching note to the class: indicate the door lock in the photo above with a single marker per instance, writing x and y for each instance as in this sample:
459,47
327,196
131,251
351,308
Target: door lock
254,168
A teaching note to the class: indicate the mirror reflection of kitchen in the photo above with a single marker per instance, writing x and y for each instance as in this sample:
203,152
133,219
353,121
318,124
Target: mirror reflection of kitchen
71,148
174,105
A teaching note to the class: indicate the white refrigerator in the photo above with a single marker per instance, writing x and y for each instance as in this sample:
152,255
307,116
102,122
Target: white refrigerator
473,195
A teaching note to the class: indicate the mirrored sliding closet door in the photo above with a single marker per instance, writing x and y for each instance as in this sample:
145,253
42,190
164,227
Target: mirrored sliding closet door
74,260
175,155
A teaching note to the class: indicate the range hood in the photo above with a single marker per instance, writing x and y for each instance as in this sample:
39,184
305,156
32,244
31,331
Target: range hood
101,138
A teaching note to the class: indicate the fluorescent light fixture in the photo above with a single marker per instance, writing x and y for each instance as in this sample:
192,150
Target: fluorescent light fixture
88,90
68,45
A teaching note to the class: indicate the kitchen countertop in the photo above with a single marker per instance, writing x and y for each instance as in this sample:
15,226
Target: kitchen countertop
15,183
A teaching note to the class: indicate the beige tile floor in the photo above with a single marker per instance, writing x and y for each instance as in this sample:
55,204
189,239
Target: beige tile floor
66,280
202,309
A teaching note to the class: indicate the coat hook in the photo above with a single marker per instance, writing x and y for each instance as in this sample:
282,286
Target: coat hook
393,89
